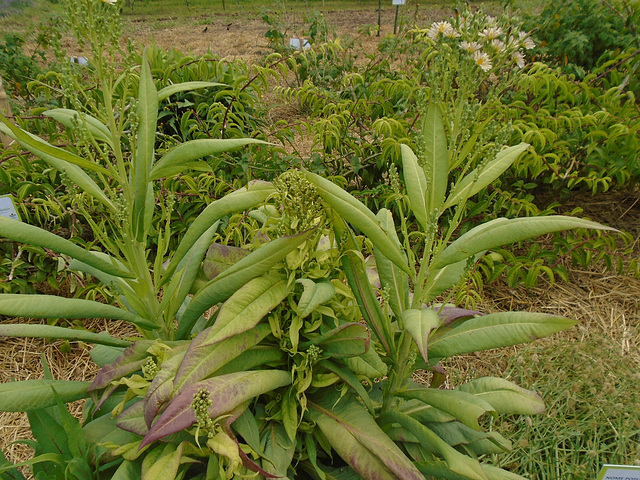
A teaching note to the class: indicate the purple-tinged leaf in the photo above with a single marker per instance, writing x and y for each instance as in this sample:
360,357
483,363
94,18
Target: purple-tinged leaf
248,463
161,388
358,439
132,419
130,361
348,340
448,315
226,392
220,257
420,323
203,360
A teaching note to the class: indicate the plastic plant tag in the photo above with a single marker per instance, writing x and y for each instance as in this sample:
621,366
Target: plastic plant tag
7,208
398,2
619,472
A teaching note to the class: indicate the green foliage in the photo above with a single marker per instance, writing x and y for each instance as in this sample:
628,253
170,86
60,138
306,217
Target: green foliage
576,33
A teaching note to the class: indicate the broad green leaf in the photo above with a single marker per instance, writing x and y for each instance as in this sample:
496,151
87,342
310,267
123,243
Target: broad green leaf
224,285
467,408
420,323
226,393
278,450
178,159
350,379
186,273
315,294
445,278
393,279
203,359
247,306
502,231
25,233
347,340
368,303
505,397
436,158
165,466
483,176
45,457
49,434
128,471
145,142
243,199
32,394
161,388
358,439
220,257
370,364
8,469
496,330
456,461
289,412
166,92
48,331
71,118
357,214
416,183
51,306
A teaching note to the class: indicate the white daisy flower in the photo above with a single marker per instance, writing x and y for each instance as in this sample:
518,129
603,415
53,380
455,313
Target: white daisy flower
498,45
451,33
482,60
470,46
526,41
518,57
491,32
438,28
110,2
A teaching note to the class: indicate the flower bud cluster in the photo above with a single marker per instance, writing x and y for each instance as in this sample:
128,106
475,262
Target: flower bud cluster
300,204
200,406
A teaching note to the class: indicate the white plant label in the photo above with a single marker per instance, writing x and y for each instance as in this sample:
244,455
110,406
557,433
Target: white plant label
619,472
7,208
398,2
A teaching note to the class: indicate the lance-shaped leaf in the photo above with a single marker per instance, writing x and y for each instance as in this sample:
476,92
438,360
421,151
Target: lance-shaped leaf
50,306
314,294
203,360
358,439
456,461
496,330
495,473
466,407
132,419
243,199
145,142
226,393
416,183
370,364
392,278
435,158
246,307
224,285
420,323
481,177
347,340
357,214
71,119
161,388
166,92
219,257
177,159
367,301
62,160
443,279
187,272
165,466
502,231
504,396
130,361
278,449
25,233
50,331
350,379
32,394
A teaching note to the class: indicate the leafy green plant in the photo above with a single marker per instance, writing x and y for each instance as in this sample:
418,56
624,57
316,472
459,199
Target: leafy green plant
576,33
